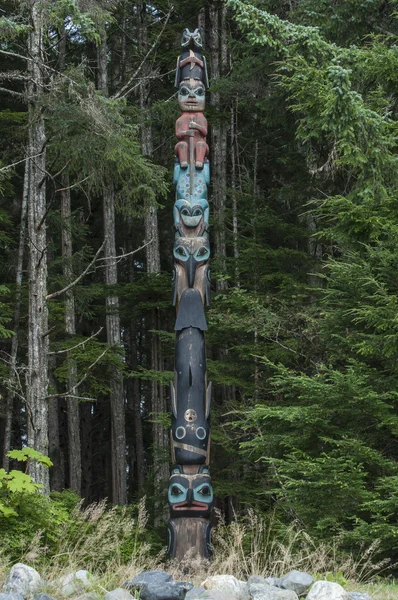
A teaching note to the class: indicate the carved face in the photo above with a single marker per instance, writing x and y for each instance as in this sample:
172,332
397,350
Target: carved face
191,96
191,39
191,253
190,215
190,495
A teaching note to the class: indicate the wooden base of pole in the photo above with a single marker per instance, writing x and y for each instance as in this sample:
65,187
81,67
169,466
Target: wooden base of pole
189,538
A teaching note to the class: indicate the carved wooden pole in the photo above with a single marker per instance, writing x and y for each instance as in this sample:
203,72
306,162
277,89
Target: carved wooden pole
190,492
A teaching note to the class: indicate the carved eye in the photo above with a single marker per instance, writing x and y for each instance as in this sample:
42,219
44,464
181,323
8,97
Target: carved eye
201,433
201,252
205,491
184,91
197,212
199,91
180,252
180,433
185,212
175,490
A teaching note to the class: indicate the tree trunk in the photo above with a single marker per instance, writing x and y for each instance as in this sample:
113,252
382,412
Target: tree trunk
218,61
74,449
158,399
37,374
234,155
17,312
55,450
134,392
118,433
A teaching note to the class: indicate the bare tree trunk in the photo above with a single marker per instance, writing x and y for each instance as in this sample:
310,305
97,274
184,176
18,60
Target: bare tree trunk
17,312
234,195
218,61
118,433
73,419
86,421
55,450
37,375
158,400
134,392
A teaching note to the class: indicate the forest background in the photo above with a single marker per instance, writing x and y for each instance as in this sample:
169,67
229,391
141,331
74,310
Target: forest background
302,339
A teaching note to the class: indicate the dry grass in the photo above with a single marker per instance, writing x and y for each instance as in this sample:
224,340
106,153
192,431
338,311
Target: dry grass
258,546
109,544
96,539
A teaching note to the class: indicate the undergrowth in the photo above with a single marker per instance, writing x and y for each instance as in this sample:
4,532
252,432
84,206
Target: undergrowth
114,544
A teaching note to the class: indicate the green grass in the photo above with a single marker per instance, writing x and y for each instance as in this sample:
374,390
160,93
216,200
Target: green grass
377,591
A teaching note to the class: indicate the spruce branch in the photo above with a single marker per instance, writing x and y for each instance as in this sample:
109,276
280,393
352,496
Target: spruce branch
79,344
76,281
125,89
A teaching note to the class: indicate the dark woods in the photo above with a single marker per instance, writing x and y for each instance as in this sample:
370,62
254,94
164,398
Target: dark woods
301,346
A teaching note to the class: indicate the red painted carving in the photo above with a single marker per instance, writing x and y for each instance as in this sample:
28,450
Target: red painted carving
191,125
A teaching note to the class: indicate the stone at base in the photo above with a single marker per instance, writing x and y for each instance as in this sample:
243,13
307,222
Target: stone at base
228,584
327,590
298,581
118,594
158,585
202,594
23,580
259,591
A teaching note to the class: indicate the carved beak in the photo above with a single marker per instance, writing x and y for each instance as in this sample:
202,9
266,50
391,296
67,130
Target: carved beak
191,270
190,497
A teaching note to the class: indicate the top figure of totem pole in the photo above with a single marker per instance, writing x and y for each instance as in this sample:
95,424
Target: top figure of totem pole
190,492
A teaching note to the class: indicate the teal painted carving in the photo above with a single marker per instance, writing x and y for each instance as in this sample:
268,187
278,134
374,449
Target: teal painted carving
190,495
191,209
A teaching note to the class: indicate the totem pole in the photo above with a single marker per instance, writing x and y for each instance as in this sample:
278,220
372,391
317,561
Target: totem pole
190,492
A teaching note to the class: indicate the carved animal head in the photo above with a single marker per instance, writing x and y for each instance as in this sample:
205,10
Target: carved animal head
190,253
190,495
191,215
191,39
191,96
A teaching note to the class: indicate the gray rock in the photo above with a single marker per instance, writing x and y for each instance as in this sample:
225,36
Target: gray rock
118,594
73,583
148,577
263,591
272,581
199,593
158,585
327,590
43,597
298,581
11,596
354,596
260,579
23,580
228,584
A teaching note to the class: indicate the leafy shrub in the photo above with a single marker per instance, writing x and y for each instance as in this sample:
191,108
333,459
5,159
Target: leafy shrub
16,484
